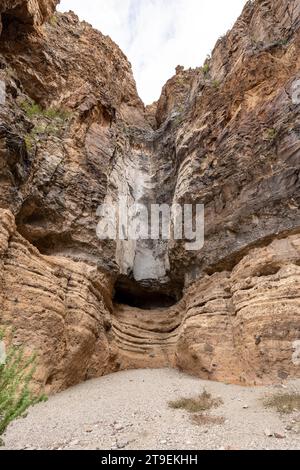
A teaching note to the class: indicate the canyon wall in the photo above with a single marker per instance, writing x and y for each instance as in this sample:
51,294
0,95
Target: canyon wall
74,135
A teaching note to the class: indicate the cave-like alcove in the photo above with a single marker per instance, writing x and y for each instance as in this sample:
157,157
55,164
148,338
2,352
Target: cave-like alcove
146,301
133,294
11,22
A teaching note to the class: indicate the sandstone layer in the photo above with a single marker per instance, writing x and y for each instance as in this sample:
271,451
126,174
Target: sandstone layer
74,134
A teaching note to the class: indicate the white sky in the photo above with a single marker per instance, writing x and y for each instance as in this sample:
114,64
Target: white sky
158,35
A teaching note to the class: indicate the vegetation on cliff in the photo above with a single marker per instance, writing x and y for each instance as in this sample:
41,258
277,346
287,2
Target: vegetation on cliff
16,396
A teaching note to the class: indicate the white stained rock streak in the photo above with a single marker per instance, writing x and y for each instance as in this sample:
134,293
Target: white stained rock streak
2,353
133,181
296,354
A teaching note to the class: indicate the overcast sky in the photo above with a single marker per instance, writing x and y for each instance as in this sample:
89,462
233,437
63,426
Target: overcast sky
158,35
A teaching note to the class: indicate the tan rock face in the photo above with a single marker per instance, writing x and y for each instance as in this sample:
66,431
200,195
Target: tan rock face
242,326
74,134
56,305
27,12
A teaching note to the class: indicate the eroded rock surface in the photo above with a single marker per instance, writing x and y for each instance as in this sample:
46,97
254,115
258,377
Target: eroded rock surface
74,134
29,13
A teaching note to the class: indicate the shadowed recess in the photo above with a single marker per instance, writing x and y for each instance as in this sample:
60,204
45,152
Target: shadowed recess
137,296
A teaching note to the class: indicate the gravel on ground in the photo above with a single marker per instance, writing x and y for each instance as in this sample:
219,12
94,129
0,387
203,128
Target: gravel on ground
130,411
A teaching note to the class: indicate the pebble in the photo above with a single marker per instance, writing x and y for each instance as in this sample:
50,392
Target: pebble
122,444
279,436
119,427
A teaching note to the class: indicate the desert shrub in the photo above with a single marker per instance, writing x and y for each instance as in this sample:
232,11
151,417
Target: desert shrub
34,110
271,134
31,109
203,402
46,122
29,142
16,396
206,69
284,402
53,20
216,84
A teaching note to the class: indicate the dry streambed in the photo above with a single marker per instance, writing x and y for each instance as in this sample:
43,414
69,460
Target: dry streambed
161,409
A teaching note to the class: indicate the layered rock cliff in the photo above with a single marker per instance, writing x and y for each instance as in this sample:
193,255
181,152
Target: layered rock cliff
74,134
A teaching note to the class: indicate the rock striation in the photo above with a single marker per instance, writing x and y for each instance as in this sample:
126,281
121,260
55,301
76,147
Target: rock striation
74,135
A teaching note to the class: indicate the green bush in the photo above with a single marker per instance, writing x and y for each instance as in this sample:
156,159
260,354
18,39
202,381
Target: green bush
31,109
206,69
34,110
29,142
271,134
54,113
46,122
16,374
216,84
53,20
